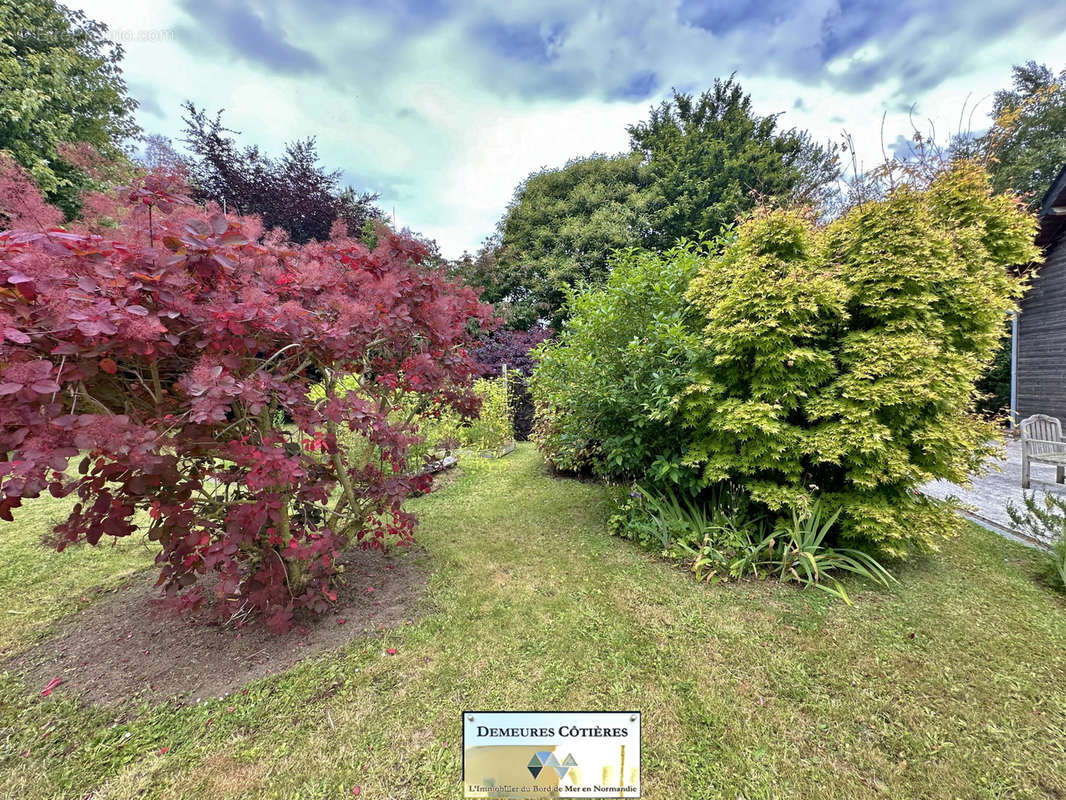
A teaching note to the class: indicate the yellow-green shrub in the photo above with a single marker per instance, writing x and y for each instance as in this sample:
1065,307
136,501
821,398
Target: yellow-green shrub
840,361
494,425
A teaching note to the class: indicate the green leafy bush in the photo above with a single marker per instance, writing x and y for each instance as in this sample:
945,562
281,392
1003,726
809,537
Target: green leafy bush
840,361
494,425
801,361
605,391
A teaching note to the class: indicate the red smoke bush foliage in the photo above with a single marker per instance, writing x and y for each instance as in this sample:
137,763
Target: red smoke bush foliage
172,355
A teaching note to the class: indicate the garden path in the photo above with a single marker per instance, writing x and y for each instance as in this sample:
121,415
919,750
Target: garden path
985,500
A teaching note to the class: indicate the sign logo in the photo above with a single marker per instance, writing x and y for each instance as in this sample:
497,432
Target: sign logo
543,759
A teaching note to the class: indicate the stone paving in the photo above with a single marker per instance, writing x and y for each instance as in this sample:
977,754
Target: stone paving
986,499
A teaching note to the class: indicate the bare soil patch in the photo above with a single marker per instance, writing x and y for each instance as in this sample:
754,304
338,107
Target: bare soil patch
126,647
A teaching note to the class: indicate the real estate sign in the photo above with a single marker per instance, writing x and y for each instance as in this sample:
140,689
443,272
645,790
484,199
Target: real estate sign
542,754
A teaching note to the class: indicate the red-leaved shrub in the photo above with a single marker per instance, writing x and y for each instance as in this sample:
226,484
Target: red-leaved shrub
173,354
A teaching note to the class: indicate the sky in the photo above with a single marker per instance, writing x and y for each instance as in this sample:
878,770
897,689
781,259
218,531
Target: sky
443,107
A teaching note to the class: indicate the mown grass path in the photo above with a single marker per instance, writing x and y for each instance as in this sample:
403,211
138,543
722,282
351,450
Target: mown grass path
951,685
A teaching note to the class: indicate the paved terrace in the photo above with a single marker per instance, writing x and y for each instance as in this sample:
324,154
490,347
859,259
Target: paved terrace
986,500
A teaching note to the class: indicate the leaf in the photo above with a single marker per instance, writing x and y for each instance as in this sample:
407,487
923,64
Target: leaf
9,388
136,310
219,224
197,227
224,261
52,684
17,336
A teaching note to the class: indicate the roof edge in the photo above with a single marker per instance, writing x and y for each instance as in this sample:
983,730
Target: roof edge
1051,224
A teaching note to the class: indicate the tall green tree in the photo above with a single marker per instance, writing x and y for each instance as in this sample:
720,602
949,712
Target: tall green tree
60,82
695,166
711,158
1025,149
1027,141
559,232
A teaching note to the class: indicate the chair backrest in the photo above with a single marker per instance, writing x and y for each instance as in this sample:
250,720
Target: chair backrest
1043,428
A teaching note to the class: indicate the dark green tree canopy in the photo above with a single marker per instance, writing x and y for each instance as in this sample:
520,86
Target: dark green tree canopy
560,231
1027,142
60,82
710,158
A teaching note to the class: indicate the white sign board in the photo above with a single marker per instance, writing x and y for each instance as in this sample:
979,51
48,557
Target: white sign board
544,754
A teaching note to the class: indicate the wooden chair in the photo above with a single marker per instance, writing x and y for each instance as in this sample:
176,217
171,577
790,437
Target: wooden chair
1042,443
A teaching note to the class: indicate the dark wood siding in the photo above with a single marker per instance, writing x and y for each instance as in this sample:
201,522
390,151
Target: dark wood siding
1041,369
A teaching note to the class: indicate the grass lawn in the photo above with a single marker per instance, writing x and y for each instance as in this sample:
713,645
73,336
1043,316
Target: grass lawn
950,685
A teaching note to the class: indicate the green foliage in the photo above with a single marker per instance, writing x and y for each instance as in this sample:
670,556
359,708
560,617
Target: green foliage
1026,144
60,83
368,234
994,384
605,390
720,540
494,425
440,430
559,232
694,166
709,159
1056,562
798,551
1046,522
674,522
841,361
801,361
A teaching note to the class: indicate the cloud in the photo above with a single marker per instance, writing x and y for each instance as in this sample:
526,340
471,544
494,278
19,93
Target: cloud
724,16
443,106
855,45
529,43
247,34
639,86
901,148
147,99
